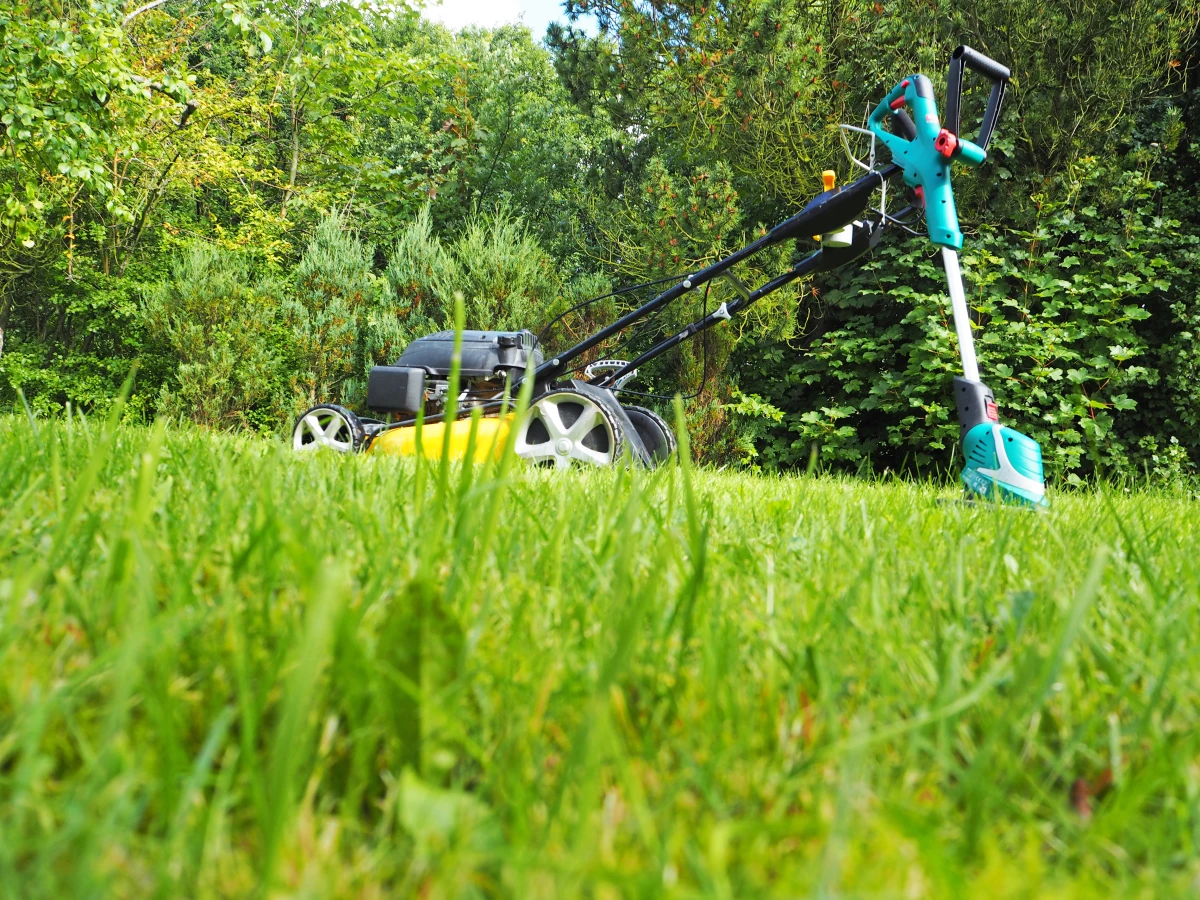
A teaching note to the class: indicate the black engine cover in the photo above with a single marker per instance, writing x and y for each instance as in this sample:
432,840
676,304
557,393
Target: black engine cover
395,389
484,353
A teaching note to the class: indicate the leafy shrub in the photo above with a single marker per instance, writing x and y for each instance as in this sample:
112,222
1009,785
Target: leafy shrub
1085,329
73,333
334,289
223,332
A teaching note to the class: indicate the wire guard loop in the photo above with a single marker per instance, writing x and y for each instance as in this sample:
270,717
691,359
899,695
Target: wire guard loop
843,133
869,166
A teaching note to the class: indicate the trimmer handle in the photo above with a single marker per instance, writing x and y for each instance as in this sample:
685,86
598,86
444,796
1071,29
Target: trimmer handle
998,75
926,155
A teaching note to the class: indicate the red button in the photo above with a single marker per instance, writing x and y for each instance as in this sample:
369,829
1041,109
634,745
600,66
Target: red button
946,143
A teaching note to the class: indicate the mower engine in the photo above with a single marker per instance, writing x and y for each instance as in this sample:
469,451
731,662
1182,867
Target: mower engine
490,359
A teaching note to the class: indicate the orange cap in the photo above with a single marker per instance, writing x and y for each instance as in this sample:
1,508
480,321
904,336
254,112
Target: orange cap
829,177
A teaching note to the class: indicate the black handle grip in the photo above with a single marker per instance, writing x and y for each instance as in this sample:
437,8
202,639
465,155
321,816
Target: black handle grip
998,75
902,124
977,62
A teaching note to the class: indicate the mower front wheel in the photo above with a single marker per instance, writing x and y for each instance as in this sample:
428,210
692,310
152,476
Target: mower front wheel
328,427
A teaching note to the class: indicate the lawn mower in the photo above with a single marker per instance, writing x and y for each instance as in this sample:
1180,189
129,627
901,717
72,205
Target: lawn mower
575,415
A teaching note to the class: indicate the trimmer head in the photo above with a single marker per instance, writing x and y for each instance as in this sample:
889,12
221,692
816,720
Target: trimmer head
1005,465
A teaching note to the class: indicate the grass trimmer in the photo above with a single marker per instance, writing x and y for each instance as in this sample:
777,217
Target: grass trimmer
1001,463
576,416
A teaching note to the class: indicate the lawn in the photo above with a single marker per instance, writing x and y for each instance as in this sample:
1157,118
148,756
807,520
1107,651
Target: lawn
228,670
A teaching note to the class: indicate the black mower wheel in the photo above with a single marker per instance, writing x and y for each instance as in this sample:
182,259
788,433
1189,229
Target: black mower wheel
655,433
328,427
566,428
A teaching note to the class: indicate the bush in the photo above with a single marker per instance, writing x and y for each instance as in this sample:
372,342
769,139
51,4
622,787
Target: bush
418,277
334,291
508,281
1085,333
224,334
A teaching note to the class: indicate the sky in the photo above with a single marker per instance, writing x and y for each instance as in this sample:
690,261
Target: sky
536,14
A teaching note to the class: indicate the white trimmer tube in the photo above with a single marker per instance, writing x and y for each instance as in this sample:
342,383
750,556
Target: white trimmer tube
962,319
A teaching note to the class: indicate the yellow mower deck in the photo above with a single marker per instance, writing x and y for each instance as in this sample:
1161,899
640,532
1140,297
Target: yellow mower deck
490,436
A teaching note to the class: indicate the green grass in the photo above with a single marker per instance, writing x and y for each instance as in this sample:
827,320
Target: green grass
225,670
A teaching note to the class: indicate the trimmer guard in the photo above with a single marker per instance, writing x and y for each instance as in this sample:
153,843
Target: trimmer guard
1003,464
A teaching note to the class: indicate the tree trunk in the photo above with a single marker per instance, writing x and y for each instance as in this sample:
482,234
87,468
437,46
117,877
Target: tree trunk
6,302
291,186
152,197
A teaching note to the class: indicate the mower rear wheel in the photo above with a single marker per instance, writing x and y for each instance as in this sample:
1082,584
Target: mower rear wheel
328,427
566,428
655,433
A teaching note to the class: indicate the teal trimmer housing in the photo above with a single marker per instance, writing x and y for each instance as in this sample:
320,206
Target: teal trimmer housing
1001,464
926,158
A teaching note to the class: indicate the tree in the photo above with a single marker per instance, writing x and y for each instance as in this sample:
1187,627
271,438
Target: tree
126,136
222,329
68,80
334,292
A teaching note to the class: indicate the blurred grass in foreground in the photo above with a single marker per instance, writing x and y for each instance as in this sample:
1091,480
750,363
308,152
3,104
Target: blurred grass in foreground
227,670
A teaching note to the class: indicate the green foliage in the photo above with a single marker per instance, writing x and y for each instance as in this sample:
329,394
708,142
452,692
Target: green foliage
546,172
1079,322
167,123
224,332
744,83
67,82
229,671
507,279
759,84
82,334
674,222
755,417
326,81
508,135
334,291
418,280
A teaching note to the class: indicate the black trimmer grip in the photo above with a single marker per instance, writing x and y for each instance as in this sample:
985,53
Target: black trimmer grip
831,210
985,66
998,75
902,124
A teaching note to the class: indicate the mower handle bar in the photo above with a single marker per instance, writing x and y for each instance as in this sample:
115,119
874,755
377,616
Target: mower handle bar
829,211
724,312
964,57
866,236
